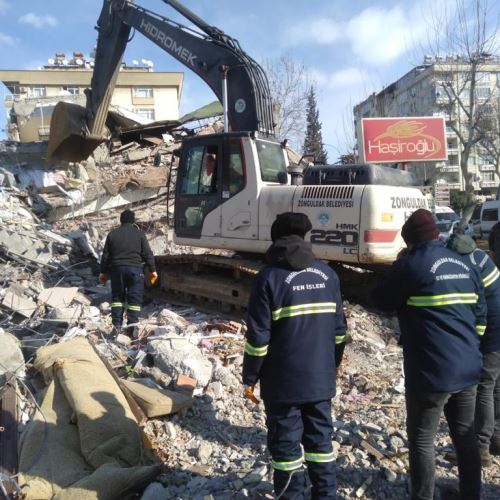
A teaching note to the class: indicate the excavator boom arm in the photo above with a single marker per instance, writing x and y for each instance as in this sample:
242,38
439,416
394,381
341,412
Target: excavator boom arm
212,55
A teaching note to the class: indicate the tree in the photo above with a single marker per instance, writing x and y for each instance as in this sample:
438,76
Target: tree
469,34
289,85
313,142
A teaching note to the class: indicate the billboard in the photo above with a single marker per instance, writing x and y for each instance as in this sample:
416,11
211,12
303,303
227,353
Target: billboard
404,139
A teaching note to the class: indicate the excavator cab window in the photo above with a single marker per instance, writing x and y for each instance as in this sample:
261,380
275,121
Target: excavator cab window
271,159
200,173
234,175
198,185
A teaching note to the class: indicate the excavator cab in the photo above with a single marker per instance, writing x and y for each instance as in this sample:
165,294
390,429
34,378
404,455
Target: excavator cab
203,181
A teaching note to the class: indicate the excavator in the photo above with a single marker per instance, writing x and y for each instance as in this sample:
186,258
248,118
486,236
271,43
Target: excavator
230,186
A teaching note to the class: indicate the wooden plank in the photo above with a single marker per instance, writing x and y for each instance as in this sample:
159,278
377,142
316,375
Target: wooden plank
8,432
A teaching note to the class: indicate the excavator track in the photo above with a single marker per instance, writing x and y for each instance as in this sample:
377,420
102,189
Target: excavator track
215,281
222,283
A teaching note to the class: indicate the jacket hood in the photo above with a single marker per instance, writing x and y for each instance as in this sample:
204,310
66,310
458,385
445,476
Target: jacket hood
290,251
462,244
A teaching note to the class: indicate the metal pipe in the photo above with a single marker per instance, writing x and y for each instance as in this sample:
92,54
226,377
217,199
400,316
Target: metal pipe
225,118
197,21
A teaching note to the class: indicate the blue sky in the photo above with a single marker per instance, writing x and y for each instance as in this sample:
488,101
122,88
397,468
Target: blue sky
350,47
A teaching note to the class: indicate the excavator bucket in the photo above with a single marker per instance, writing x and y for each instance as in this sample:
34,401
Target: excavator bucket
69,138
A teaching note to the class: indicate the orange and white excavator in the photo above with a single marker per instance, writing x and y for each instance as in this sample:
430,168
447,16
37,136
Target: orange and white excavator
230,186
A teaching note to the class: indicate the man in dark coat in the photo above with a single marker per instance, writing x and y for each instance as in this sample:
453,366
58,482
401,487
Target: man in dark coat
439,298
488,390
295,340
125,253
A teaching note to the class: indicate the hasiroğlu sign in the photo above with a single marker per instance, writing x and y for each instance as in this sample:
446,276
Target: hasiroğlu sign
395,140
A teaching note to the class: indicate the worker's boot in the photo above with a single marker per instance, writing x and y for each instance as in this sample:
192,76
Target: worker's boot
486,460
484,455
115,331
495,447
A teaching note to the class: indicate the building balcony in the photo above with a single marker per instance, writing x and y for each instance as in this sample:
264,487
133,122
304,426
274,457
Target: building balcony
487,168
453,150
449,168
450,132
454,185
488,184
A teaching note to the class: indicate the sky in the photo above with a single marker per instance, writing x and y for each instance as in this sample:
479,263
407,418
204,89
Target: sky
350,48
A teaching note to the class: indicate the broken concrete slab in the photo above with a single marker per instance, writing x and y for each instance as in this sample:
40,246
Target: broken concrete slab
103,202
69,315
57,297
19,304
131,156
178,356
11,356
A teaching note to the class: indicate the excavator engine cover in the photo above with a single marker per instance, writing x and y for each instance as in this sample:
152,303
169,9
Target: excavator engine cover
69,137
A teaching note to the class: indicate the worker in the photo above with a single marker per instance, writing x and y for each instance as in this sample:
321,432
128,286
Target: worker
294,342
125,252
494,243
487,421
439,299
208,179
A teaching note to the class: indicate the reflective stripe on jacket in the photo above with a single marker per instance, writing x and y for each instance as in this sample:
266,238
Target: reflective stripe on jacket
490,341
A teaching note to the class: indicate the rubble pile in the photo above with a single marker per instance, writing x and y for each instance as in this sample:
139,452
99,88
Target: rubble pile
107,179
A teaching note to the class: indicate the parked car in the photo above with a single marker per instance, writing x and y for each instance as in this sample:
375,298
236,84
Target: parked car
490,215
447,221
447,228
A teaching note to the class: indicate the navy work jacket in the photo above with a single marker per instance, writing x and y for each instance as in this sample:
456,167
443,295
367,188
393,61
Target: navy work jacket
295,319
439,299
490,341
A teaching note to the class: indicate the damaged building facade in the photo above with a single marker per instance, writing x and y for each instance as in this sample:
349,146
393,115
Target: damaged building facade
141,94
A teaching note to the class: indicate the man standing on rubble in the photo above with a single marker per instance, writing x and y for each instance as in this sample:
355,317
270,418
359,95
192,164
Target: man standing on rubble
439,298
125,252
295,340
487,421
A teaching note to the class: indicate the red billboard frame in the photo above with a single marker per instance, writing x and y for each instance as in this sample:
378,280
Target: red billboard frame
403,139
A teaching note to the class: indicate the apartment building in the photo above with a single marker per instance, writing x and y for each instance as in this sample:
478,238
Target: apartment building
31,94
422,92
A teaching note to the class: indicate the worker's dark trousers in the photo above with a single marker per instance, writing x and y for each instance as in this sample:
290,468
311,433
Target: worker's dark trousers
127,290
424,410
488,401
289,426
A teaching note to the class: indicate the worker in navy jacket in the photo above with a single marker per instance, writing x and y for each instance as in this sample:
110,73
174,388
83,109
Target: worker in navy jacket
439,299
488,391
295,340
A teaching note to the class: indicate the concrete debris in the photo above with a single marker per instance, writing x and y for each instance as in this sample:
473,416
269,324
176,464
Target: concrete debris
18,303
11,356
178,356
56,297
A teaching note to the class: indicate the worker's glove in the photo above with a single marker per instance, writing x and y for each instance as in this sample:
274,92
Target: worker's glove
103,277
248,394
153,277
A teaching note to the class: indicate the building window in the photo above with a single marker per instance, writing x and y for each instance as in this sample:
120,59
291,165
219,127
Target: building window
483,92
72,90
148,113
37,92
488,176
142,91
